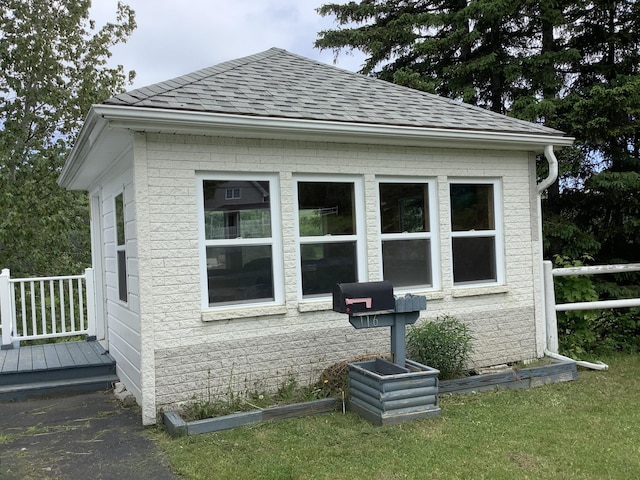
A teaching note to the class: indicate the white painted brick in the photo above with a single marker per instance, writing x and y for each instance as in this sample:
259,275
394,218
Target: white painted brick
189,354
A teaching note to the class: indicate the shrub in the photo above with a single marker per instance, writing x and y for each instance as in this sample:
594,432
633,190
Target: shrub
585,332
444,344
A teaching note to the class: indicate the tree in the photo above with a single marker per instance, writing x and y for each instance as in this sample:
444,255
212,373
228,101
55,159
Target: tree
570,65
468,50
54,67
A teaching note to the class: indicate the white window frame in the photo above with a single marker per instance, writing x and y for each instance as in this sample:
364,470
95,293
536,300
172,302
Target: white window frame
275,241
121,248
432,235
359,237
497,233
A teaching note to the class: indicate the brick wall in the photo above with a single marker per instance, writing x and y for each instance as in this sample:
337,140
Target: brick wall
195,352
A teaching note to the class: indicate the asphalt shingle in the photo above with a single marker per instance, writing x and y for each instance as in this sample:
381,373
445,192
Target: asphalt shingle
277,83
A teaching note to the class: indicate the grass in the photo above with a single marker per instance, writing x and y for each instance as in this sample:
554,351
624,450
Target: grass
589,429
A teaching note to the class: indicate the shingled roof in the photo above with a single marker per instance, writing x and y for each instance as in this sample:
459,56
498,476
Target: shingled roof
279,84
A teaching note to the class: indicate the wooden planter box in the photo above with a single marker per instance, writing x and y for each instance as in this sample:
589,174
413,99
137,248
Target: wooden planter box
387,394
177,427
555,371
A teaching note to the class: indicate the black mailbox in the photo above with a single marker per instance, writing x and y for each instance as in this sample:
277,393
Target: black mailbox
354,298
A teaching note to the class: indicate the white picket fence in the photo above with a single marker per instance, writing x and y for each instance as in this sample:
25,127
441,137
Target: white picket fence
551,308
46,307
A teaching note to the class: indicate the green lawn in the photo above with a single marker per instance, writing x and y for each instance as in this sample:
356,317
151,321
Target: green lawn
589,429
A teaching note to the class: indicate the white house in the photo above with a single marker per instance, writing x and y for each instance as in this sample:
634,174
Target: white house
228,202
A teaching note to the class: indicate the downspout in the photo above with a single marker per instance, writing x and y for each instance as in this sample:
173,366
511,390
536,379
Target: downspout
543,185
553,174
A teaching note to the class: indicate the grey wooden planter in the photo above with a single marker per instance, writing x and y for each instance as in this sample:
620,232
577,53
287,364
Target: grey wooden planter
556,371
387,394
177,427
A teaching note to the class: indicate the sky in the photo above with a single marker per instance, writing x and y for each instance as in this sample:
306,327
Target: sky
176,37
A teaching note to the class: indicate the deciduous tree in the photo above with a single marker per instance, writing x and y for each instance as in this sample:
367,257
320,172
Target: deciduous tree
53,63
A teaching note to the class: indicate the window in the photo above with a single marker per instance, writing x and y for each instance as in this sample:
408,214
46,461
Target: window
328,224
239,240
475,235
232,194
121,254
405,228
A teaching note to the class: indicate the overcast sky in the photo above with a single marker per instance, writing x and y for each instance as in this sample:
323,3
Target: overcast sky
176,37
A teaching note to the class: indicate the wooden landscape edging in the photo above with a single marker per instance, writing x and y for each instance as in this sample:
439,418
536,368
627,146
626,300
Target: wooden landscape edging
556,371
177,427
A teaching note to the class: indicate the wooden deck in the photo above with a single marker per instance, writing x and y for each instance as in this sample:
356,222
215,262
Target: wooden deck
53,369
53,356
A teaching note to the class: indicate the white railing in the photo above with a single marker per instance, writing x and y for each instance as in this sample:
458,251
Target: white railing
46,307
551,308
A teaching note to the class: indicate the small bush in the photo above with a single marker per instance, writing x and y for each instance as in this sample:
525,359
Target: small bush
444,344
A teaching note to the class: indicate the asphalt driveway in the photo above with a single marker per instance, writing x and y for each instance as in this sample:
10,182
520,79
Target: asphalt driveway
88,436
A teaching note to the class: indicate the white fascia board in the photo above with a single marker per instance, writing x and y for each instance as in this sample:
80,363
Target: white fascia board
91,131
216,124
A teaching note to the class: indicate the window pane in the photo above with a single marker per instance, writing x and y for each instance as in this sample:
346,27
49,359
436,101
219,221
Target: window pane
407,262
325,264
239,273
326,208
472,207
236,209
120,219
474,259
122,275
404,208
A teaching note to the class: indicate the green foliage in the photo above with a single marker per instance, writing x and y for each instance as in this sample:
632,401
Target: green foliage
575,328
596,331
444,344
54,67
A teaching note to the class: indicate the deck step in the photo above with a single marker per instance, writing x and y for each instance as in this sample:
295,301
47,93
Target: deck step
57,374
57,369
55,388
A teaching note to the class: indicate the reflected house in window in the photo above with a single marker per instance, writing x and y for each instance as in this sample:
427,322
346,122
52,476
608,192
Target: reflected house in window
227,203
237,210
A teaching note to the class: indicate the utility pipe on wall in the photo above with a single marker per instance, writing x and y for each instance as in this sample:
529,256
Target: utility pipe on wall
550,323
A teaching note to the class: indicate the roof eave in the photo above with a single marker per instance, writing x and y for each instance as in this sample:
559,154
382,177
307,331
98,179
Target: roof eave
107,129
223,124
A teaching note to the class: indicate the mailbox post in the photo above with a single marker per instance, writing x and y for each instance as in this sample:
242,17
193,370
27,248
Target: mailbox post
387,393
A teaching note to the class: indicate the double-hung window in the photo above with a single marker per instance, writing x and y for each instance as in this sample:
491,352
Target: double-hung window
407,210
241,251
121,252
476,235
330,227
